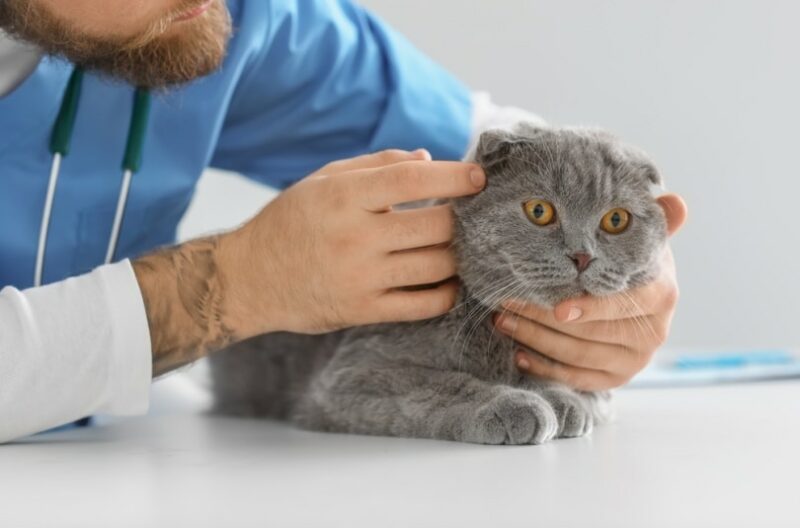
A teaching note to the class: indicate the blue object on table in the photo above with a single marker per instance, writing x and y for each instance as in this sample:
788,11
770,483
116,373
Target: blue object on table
735,359
677,369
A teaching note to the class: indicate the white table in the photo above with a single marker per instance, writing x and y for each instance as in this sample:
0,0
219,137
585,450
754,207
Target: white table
717,456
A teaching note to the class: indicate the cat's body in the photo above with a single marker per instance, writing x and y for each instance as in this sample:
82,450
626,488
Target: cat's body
453,377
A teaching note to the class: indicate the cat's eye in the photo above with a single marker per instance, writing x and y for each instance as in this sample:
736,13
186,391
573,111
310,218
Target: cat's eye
540,212
615,221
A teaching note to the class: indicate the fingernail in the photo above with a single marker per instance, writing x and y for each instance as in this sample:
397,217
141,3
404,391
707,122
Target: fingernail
574,313
477,177
523,364
507,323
511,304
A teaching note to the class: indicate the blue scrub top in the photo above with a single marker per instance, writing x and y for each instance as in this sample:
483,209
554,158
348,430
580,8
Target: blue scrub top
304,82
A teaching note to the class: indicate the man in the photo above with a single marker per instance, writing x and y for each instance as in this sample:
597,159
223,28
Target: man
273,89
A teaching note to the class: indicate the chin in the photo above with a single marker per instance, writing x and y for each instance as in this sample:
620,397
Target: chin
549,296
599,290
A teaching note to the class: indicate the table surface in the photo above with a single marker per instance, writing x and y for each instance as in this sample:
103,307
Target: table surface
711,456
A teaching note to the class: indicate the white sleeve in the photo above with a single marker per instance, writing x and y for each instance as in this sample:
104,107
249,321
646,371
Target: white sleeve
73,348
487,115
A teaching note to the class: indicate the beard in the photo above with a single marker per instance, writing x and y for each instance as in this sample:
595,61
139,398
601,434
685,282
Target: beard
160,57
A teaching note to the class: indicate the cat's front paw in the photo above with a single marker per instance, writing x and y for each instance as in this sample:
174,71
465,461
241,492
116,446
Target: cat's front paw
572,411
514,416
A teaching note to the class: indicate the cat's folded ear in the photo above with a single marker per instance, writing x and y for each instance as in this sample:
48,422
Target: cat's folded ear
495,145
652,173
643,163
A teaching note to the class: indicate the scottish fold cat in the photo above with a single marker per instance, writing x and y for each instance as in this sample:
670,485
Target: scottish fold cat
566,211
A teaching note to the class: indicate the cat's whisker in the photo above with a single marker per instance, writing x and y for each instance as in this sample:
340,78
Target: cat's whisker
521,289
478,311
478,292
473,318
642,321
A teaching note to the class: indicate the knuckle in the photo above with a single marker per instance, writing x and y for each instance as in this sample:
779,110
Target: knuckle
639,366
666,296
660,335
331,167
671,296
640,360
392,155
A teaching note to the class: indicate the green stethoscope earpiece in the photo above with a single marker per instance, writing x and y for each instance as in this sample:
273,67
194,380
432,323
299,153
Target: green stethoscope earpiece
59,148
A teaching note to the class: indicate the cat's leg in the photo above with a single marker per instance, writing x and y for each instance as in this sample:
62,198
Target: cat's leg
263,376
412,401
577,412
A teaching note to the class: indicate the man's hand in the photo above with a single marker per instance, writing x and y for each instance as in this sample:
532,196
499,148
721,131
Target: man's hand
329,252
596,343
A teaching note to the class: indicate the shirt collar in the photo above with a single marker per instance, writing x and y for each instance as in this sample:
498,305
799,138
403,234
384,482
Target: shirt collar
17,61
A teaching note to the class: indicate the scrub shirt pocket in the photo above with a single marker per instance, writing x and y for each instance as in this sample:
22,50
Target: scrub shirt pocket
143,228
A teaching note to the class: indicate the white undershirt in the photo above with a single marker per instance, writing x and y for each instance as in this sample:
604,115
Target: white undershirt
81,346
72,348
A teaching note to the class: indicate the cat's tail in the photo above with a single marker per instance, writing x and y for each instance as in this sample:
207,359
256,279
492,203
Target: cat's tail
265,375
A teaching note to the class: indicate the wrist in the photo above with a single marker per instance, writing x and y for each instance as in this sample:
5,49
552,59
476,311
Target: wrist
184,297
249,302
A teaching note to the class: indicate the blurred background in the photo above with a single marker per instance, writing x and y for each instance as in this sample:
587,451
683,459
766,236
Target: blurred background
709,89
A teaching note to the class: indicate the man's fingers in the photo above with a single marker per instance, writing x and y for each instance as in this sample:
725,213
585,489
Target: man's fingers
416,228
583,309
576,377
417,180
563,348
650,299
675,211
532,311
375,160
424,266
405,305
639,330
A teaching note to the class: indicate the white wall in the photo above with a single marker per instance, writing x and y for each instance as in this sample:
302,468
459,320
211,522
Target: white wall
710,89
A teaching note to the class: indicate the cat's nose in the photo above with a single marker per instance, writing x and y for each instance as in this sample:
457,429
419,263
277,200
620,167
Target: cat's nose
581,260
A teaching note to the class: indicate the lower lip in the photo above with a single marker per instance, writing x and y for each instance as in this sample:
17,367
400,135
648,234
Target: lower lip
194,13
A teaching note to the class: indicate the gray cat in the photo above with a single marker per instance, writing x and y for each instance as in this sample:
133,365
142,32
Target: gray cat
565,211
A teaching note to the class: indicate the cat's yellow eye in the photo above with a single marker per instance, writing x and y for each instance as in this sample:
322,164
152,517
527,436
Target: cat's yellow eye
540,212
615,221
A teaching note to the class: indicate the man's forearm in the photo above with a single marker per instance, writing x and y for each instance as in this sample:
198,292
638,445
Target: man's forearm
184,296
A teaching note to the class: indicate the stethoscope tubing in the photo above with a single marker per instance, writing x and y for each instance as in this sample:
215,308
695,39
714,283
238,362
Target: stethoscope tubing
59,147
45,225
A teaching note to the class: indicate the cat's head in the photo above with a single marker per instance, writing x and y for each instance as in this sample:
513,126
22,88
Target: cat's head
565,211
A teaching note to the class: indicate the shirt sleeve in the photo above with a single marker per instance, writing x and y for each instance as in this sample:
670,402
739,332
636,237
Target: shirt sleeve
327,79
73,348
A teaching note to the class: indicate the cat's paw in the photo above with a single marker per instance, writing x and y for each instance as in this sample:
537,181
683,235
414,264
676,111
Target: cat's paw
514,417
573,411
600,404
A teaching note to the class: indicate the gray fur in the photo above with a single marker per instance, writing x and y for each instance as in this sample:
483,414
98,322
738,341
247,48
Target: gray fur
453,377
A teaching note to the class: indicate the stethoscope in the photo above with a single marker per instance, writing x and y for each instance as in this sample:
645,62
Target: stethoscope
59,148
